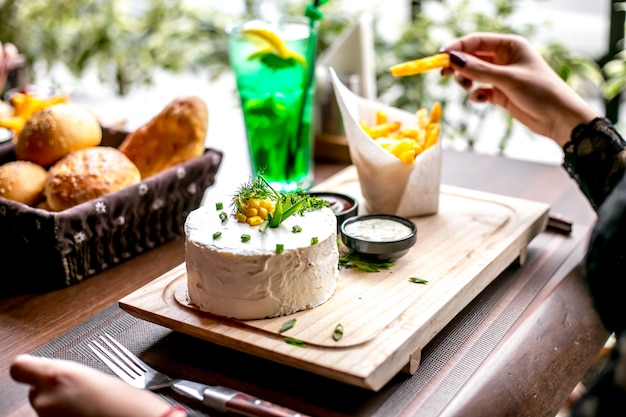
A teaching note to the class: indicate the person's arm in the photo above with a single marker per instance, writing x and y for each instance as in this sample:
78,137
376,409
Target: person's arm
517,78
65,388
507,71
596,159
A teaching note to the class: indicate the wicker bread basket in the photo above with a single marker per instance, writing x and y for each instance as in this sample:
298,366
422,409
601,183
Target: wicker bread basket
52,250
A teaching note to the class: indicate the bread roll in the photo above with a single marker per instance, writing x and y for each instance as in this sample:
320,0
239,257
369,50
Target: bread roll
52,133
87,174
175,135
22,181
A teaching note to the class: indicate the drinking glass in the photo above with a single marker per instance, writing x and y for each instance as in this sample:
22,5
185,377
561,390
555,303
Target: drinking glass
276,94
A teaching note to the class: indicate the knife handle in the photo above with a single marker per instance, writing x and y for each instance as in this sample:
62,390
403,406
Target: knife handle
248,405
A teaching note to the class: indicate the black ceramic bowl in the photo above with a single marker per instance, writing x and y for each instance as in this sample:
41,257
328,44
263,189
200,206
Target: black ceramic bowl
380,237
343,205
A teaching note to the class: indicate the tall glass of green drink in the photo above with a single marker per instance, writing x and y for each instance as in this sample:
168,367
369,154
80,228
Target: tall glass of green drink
272,66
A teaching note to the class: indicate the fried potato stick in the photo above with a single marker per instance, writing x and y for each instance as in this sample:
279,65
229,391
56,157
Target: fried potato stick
421,65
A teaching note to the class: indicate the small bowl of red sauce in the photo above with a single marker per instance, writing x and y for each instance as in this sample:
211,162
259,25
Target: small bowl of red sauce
379,237
342,205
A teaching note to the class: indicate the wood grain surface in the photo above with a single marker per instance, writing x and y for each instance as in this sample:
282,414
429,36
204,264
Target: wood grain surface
385,317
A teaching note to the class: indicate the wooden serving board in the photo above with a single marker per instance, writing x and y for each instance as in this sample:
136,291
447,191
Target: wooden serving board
386,318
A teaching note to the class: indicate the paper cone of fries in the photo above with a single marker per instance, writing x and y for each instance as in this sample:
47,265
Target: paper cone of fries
388,185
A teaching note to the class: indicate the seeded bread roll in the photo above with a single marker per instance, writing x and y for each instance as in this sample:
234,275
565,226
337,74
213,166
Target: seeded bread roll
22,181
87,174
54,132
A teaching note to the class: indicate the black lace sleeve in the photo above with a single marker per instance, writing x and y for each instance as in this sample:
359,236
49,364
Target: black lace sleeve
595,158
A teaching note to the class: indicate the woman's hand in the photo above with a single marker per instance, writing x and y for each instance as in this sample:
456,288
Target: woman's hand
64,388
506,70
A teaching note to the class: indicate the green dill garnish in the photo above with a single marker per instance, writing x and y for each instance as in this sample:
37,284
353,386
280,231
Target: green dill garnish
280,248
351,260
223,216
295,342
245,238
286,204
219,206
216,235
418,280
314,240
287,325
338,332
255,188
296,229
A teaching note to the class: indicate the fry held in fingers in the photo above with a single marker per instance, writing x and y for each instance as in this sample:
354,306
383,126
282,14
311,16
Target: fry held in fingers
421,65
438,61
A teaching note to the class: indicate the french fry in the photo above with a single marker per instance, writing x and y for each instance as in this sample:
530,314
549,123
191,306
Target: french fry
435,113
381,117
421,65
13,123
432,134
25,105
422,118
408,142
410,132
381,130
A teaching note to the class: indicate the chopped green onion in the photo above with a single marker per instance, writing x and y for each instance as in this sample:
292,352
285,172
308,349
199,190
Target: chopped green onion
280,248
296,229
314,240
351,260
216,235
223,216
287,325
338,332
245,238
276,218
219,206
295,342
418,280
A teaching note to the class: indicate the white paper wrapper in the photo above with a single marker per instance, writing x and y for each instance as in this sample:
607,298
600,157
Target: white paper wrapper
388,185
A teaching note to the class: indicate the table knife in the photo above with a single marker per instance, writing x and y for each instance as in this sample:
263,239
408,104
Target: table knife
229,400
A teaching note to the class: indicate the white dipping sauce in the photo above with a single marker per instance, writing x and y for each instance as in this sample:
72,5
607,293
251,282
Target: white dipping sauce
5,135
377,230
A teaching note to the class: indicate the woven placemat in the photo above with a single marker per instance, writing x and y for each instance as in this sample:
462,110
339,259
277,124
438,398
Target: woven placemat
448,361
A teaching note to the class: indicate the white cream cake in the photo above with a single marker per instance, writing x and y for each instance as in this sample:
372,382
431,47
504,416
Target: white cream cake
246,279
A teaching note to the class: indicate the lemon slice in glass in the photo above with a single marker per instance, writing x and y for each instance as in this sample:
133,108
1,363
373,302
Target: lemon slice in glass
269,43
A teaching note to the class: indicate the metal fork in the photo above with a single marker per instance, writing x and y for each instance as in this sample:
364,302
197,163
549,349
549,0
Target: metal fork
137,373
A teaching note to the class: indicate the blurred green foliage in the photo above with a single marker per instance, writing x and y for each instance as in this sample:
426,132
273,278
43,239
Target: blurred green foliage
123,42
127,43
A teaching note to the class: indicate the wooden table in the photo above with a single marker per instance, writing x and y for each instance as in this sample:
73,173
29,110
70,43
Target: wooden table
538,362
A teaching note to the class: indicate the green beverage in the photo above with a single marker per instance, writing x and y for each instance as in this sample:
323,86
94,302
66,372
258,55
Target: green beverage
276,93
